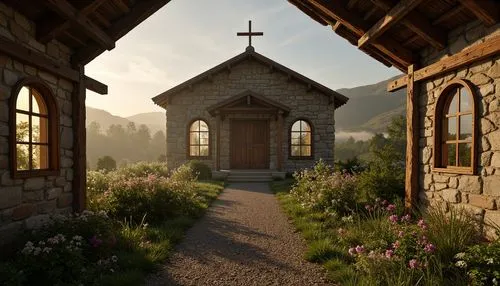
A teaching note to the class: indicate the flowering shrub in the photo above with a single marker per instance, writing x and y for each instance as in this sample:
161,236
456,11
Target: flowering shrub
66,251
322,189
135,191
481,263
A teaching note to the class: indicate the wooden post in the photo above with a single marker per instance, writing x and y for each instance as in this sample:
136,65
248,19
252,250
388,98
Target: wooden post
79,143
217,144
412,134
279,141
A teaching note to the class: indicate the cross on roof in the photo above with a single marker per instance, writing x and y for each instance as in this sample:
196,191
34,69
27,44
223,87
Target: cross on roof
250,33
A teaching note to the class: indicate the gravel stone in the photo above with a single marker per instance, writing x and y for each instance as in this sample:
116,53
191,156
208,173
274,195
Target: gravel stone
244,239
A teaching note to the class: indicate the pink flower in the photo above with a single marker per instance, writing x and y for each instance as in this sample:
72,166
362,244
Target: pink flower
393,218
429,248
368,207
389,253
360,249
406,218
401,233
396,244
95,242
391,208
352,251
413,264
385,202
421,223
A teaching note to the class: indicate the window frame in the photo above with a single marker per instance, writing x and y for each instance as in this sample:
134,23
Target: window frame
290,156
440,111
52,129
188,140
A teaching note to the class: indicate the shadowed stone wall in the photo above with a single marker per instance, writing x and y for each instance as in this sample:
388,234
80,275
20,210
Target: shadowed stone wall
480,194
29,202
250,75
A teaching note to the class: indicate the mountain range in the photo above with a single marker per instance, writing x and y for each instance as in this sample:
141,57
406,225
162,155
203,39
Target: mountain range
370,108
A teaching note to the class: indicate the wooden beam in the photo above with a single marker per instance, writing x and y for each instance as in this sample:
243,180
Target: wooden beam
370,13
412,133
473,54
392,18
48,30
399,56
218,126
138,13
95,86
79,144
122,6
351,4
419,24
279,141
67,11
485,10
448,15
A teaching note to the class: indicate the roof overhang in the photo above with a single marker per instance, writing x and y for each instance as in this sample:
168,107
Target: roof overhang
248,102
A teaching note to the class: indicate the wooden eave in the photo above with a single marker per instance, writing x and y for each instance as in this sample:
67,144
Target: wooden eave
268,105
163,98
395,32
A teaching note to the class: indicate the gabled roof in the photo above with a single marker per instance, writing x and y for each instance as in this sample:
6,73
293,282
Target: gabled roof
395,32
252,101
162,98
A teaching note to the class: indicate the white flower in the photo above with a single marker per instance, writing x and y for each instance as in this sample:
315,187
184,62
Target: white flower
77,238
114,258
37,251
489,261
459,255
461,264
47,249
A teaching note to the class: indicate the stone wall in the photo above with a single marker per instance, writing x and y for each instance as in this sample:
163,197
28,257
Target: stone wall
480,193
250,75
28,202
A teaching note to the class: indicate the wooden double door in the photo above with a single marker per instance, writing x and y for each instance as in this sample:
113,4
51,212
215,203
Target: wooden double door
249,144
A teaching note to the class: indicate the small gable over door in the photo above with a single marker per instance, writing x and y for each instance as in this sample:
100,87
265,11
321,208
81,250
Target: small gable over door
248,102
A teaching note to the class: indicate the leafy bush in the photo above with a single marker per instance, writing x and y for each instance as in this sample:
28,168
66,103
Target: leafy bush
106,163
322,189
481,263
143,169
201,169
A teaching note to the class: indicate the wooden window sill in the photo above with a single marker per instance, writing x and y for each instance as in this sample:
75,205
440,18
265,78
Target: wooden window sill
462,171
34,173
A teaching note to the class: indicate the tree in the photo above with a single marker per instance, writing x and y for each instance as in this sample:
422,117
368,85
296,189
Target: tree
106,163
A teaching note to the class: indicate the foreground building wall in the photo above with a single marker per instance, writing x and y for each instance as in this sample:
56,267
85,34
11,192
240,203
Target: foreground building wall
29,202
479,193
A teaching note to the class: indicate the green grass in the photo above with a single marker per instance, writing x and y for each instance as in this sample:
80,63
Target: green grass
143,248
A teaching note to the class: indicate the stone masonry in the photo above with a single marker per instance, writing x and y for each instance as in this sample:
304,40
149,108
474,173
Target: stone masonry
259,78
29,202
480,194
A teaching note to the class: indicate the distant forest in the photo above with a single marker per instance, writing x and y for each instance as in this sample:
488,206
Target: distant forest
124,144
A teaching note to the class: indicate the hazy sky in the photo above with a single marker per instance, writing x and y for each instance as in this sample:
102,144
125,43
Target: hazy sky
188,37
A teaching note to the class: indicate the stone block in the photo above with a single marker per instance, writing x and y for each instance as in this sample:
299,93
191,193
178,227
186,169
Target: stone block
486,158
18,32
46,207
66,138
485,144
487,126
47,77
441,178
64,200
491,219
38,221
495,160
34,184
453,184
10,196
53,193
23,211
494,139
494,71
33,196
440,186
4,111
469,184
10,77
480,78
451,195
60,181
492,185
482,201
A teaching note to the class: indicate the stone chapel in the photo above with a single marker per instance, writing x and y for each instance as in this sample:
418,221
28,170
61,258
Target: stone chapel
250,112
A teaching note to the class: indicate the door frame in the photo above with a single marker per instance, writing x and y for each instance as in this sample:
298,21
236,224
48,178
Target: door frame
268,148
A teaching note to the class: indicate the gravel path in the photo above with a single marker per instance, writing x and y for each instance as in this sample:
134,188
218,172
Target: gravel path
244,239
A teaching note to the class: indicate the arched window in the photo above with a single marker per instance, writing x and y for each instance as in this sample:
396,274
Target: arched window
301,140
199,139
454,136
34,132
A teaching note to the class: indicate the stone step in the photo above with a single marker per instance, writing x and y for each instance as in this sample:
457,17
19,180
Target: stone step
249,174
249,179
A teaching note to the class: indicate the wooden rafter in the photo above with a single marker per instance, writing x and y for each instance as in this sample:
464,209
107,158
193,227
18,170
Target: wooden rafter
418,23
473,54
142,10
400,57
485,10
78,19
122,6
448,15
351,4
370,13
389,20
50,29
44,63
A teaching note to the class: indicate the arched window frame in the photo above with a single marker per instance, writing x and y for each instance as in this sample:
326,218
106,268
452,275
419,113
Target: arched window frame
311,126
441,107
52,129
188,140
